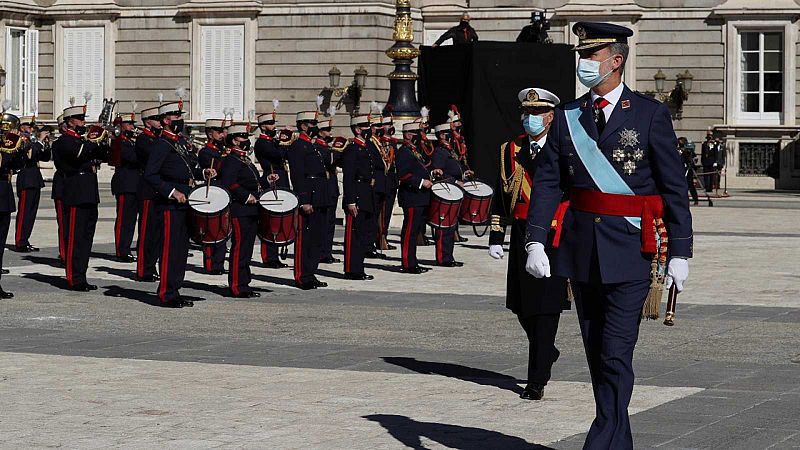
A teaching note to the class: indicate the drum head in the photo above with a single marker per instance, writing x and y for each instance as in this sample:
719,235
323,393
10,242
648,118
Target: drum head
216,200
279,201
478,189
447,191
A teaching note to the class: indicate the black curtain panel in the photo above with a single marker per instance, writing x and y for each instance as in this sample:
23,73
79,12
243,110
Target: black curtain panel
483,80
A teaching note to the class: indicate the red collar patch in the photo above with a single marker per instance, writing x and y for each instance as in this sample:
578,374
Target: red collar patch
265,137
305,137
72,133
170,135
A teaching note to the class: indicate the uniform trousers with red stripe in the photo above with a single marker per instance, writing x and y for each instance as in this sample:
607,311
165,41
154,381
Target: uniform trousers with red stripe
148,243
214,256
444,244
61,227
125,224
269,252
80,222
5,223
413,224
26,215
242,240
330,230
174,253
359,235
308,245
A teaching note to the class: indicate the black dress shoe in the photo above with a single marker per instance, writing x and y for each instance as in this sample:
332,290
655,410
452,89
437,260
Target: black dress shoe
4,271
532,392
148,278
32,248
374,255
4,294
416,270
249,294
391,247
185,303
358,276
462,239
91,287
307,286
320,284
173,304
22,249
330,260
81,287
275,265
126,258
217,272
452,264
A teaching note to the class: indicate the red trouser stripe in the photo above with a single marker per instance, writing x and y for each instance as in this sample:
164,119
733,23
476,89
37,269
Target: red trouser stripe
207,257
162,285
60,221
407,236
118,225
142,239
348,242
237,233
70,244
439,245
298,251
20,217
264,252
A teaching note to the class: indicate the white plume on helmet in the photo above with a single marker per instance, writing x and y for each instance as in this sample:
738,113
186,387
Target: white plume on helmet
275,103
180,92
160,97
332,110
6,104
87,96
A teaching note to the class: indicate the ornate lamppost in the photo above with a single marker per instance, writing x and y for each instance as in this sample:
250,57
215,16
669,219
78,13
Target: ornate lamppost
402,80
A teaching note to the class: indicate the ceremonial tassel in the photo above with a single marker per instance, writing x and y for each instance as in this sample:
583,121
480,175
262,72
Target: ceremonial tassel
652,303
570,293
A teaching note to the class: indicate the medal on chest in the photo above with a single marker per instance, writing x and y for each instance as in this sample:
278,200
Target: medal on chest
628,153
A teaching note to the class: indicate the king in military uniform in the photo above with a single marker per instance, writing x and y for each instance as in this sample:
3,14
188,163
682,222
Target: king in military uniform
629,226
536,302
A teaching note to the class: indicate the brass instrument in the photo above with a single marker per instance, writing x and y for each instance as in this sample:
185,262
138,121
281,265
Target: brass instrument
286,136
339,143
104,130
12,142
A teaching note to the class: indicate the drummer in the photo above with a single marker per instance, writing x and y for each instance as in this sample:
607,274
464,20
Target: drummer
172,171
271,156
443,158
211,156
358,173
240,176
413,194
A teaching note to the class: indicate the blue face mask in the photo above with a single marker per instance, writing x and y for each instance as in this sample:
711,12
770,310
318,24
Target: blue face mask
589,72
533,124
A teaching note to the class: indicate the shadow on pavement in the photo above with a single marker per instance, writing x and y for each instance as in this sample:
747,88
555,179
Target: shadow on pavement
149,298
409,431
129,274
44,260
52,280
274,280
465,373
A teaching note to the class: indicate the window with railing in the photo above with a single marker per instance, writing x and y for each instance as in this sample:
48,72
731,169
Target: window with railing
757,159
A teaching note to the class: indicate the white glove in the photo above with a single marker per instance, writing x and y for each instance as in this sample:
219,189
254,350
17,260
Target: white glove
538,264
496,251
678,272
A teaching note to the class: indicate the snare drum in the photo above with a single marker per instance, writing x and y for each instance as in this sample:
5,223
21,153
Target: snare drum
277,217
477,203
209,218
446,199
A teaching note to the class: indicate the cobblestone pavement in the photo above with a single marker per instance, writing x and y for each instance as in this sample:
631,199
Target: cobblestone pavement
430,361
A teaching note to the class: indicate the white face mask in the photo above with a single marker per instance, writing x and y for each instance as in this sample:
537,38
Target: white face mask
589,72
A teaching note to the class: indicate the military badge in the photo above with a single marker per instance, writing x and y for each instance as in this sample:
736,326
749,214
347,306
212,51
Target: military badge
580,32
532,96
618,154
629,138
629,167
638,154
626,104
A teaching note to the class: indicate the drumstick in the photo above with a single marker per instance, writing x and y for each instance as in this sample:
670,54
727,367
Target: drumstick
208,180
196,201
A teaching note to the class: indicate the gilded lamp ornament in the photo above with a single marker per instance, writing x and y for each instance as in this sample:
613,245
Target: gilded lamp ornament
402,80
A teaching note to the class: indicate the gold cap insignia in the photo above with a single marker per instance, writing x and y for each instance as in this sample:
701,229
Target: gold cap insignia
580,32
532,96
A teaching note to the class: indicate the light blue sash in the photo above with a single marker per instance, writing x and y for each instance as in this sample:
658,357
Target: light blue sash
599,167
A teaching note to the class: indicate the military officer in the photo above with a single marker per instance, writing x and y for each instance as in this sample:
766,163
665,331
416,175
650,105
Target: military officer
444,160
613,150
211,156
124,185
709,158
413,194
459,149
240,176
359,203
271,156
77,158
386,204
536,302
10,161
148,242
57,195
378,152
172,172
335,147
29,184
309,174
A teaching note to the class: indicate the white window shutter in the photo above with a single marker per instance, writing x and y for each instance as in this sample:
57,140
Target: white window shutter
84,67
32,80
222,70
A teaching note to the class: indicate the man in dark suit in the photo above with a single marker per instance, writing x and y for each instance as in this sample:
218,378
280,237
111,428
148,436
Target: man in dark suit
77,158
29,184
172,172
709,158
309,174
359,202
413,194
210,157
462,33
271,156
613,151
536,302
124,184
148,242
